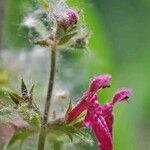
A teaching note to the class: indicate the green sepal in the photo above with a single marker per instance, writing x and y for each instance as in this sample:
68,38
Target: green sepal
68,109
67,37
78,120
81,41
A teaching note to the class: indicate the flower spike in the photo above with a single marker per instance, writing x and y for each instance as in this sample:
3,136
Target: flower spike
99,118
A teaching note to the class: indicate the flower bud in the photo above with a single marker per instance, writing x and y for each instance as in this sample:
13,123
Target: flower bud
72,16
68,18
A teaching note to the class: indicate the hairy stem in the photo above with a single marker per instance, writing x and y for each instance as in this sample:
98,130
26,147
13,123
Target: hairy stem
42,135
50,87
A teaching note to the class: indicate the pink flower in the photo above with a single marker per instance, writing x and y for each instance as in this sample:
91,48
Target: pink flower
99,118
97,83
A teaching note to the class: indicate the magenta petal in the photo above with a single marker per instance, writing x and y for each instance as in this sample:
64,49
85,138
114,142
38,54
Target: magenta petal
95,119
88,120
108,115
100,130
121,95
102,134
99,82
92,106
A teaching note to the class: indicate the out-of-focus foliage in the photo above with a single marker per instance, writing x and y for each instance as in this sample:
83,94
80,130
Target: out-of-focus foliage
13,29
3,77
127,25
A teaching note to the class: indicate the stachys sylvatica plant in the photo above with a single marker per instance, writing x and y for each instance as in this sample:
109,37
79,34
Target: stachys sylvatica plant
22,118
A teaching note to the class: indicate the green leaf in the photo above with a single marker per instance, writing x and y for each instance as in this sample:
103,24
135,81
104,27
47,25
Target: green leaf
81,134
24,90
16,98
63,132
63,129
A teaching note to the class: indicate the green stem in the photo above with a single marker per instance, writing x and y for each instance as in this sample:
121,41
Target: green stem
50,87
42,135
41,142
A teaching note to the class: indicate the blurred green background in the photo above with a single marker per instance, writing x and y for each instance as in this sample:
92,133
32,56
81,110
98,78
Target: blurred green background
119,45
